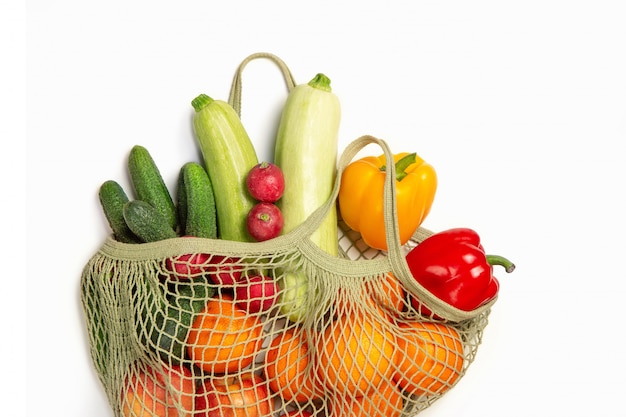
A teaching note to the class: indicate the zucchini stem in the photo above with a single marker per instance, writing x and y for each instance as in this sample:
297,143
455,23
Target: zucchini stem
201,102
321,82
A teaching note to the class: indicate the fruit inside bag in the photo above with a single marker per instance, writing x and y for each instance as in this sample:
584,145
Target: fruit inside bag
200,335
208,327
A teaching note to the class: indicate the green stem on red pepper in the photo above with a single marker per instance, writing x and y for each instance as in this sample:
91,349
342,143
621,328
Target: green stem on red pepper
494,260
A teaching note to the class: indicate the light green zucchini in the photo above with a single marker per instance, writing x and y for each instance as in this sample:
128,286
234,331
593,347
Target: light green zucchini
228,156
306,151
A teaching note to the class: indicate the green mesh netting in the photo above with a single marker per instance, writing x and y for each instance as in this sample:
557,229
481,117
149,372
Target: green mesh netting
202,327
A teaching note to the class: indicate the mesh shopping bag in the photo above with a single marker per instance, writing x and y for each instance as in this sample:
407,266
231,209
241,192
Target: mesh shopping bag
208,327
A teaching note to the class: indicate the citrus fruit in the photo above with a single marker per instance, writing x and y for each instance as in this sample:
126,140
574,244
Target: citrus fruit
388,293
355,354
385,402
430,357
384,294
288,366
224,338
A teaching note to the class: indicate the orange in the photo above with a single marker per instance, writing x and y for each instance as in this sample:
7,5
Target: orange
385,294
386,402
224,338
288,366
388,294
355,354
430,357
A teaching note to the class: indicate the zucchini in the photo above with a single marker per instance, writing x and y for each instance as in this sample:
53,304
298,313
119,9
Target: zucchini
146,222
112,199
196,202
149,185
306,152
228,156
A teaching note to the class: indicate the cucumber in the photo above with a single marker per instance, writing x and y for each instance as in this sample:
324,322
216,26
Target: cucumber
112,199
149,185
168,320
146,222
98,331
228,156
181,202
306,152
196,202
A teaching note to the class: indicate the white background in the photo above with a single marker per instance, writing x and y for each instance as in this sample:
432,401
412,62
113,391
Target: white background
520,106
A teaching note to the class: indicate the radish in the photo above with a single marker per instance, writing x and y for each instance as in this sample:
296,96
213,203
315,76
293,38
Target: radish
225,270
265,182
256,294
187,266
265,221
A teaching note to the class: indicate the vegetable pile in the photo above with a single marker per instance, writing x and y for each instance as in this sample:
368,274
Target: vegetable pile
210,336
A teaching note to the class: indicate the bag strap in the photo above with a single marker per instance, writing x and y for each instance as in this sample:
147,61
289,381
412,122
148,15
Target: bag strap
314,221
395,252
234,98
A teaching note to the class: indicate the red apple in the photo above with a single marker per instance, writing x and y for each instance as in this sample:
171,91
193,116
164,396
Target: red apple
244,395
159,392
256,294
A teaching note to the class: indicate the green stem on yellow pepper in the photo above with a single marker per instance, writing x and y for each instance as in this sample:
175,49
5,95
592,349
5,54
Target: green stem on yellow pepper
401,165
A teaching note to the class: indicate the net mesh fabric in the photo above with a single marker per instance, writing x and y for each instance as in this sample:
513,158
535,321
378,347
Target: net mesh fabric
175,331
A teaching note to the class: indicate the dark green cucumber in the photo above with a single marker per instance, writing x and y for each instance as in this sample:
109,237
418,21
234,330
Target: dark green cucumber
167,321
181,201
146,222
149,185
98,330
198,202
112,198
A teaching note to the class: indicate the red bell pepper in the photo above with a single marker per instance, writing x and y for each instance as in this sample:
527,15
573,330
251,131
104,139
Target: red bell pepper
453,266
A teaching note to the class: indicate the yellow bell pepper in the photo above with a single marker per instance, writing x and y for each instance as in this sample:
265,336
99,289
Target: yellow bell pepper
361,198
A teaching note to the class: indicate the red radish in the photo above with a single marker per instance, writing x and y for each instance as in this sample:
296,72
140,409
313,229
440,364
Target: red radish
187,266
265,182
256,294
265,221
224,270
